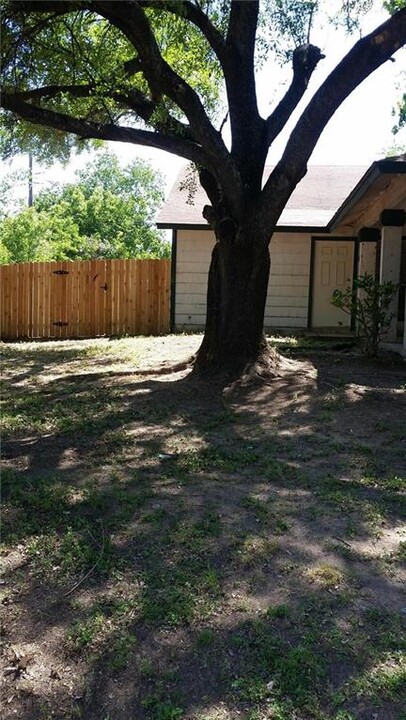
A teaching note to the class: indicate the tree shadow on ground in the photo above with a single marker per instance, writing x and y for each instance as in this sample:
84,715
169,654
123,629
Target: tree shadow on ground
190,552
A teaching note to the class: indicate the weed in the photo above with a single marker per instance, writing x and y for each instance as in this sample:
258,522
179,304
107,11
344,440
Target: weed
121,651
178,595
84,633
325,416
278,611
325,576
280,710
166,711
301,670
393,482
257,550
259,507
205,637
211,459
220,420
400,554
161,710
384,680
209,525
154,516
278,470
280,526
252,689
146,668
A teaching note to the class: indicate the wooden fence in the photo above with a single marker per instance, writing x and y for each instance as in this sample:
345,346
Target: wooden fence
85,298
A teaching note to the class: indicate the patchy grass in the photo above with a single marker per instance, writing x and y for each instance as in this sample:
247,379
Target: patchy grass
173,549
325,576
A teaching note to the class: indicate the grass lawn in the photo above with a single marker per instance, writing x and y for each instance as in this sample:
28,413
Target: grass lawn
176,549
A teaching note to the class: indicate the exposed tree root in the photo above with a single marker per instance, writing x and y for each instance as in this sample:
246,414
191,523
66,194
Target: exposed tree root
168,369
234,370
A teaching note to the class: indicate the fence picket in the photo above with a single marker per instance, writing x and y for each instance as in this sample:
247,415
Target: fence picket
47,300
97,297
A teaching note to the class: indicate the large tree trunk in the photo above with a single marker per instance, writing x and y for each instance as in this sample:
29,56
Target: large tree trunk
236,296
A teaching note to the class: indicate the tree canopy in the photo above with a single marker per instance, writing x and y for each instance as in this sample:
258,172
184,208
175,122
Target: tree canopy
108,213
151,72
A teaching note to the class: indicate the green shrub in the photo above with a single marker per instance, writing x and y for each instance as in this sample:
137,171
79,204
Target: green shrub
369,303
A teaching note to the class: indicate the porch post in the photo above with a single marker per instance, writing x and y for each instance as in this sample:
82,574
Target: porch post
391,245
367,258
404,329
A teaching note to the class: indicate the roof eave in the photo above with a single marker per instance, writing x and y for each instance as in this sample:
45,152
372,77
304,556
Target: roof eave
182,226
378,168
279,228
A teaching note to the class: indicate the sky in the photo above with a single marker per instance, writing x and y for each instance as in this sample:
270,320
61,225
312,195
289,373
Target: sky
358,133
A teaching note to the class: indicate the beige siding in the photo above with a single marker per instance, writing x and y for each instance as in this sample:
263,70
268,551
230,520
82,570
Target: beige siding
288,291
193,256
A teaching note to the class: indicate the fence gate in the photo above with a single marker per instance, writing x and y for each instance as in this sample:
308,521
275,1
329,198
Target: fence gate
85,298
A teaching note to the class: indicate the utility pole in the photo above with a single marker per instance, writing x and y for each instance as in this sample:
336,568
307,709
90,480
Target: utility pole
30,181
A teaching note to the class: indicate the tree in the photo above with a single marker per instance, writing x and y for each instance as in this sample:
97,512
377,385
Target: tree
108,213
8,184
38,236
149,72
393,6
113,207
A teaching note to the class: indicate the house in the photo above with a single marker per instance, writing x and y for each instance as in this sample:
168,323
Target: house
340,221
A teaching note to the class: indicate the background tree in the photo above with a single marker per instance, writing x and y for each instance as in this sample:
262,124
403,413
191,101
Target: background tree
39,236
150,72
108,213
9,183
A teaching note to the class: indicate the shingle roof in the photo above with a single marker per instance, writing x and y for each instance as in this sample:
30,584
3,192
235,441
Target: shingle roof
313,203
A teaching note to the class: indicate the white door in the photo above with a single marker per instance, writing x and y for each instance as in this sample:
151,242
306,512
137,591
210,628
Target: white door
333,269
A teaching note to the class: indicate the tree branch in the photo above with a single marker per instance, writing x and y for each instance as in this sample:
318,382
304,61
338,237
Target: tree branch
133,99
133,66
159,75
48,91
130,19
28,33
242,26
193,13
367,55
247,148
162,79
86,129
305,61
59,7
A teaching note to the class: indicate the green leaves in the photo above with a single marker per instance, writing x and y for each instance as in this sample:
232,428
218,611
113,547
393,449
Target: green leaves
401,112
189,54
40,236
393,6
92,72
108,213
369,303
291,24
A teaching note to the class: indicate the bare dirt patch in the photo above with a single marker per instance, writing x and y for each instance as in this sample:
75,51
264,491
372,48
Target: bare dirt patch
174,548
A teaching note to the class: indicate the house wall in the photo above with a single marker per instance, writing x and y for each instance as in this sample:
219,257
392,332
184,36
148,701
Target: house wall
288,291
193,253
